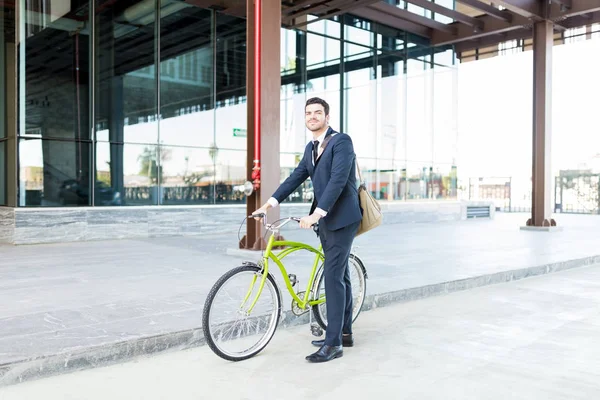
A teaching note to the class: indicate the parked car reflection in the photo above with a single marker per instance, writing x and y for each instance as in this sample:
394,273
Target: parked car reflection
73,193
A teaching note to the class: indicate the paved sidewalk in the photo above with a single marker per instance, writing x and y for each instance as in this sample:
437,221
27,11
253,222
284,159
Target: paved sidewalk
79,305
530,339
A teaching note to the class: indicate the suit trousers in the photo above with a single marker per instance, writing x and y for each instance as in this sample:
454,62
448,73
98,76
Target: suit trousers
338,288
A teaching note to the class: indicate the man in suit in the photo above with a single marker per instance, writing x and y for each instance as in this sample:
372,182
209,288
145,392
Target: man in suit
329,161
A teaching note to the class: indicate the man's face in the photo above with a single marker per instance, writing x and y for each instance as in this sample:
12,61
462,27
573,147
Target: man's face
315,117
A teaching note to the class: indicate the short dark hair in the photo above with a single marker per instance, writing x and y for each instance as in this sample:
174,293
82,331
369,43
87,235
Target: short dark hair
317,100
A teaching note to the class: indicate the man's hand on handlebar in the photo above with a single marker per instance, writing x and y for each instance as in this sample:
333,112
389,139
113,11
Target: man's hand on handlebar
261,212
310,220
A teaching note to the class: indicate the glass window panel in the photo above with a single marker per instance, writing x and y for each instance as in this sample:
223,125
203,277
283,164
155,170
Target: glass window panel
360,77
293,132
288,51
7,38
126,86
391,117
332,28
416,9
368,170
332,82
442,18
356,52
2,173
419,130
445,110
328,83
361,117
415,66
386,184
444,184
188,175
54,70
315,85
361,37
322,52
445,58
317,26
128,174
418,181
54,173
230,60
230,175
304,193
186,76
231,127
596,31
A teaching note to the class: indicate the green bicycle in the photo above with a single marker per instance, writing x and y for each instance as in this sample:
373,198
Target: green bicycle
240,317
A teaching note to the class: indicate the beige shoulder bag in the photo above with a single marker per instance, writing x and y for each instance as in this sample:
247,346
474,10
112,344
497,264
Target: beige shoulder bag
371,210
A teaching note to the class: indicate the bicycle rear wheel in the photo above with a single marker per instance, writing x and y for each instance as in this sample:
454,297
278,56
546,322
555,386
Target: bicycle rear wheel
358,277
232,331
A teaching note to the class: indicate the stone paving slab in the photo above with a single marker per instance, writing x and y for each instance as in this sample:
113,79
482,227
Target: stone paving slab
64,306
528,339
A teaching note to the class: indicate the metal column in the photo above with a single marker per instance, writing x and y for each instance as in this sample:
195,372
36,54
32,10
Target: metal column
541,209
263,75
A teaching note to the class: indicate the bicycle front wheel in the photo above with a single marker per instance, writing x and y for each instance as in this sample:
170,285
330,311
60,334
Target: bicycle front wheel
235,327
358,278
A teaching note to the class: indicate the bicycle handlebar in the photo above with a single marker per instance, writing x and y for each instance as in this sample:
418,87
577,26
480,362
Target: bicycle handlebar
285,222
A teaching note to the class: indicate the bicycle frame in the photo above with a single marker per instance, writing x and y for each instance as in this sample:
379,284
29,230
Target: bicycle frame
290,247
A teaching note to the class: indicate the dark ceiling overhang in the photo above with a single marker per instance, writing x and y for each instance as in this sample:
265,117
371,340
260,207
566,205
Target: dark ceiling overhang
483,24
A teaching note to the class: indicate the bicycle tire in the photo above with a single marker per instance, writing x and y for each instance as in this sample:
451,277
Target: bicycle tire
360,267
208,306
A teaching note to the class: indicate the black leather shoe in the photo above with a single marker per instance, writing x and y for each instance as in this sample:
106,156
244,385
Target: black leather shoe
347,341
326,353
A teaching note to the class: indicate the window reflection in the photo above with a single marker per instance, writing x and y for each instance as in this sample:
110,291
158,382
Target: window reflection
288,51
55,74
304,193
230,175
2,173
361,118
230,60
231,127
445,115
418,181
195,152
54,173
126,109
293,137
128,174
189,175
231,108
186,77
202,176
322,52
419,119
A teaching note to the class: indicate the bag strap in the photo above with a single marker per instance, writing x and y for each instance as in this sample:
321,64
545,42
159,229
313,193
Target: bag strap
358,170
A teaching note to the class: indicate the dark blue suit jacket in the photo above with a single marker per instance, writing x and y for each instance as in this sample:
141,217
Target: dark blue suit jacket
334,181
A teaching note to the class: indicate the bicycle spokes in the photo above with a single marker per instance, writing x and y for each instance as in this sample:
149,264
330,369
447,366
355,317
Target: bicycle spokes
242,315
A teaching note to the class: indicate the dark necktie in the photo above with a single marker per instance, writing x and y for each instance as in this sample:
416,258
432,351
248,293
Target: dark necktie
315,151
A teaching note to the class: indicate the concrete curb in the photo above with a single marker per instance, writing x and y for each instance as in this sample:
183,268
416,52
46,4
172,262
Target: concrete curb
113,353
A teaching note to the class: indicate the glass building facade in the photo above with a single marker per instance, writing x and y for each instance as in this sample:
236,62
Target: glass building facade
129,102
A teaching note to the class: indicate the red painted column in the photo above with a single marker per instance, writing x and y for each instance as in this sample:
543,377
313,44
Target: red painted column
257,93
263,78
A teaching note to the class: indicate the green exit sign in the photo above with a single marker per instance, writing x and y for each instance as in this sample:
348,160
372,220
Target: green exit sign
239,132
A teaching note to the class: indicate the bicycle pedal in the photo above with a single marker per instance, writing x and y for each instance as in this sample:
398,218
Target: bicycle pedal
316,330
293,279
